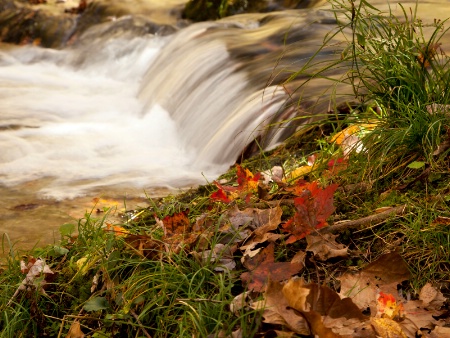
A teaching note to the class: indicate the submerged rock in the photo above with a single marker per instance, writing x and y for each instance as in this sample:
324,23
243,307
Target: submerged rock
203,10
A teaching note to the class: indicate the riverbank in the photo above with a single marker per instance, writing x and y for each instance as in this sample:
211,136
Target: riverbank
342,231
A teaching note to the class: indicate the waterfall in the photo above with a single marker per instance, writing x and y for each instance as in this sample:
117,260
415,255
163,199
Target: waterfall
146,110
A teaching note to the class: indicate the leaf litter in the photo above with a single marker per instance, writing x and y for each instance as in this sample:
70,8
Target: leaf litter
366,303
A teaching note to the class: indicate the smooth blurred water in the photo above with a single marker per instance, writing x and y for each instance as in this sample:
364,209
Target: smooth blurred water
129,115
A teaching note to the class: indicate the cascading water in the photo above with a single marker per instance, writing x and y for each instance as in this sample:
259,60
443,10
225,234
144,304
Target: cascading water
123,112
87,117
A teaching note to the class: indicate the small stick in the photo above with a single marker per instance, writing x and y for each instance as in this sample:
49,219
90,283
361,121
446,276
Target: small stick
140,324
342,225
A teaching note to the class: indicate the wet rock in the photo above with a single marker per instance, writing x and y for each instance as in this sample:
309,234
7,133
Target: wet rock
203,10
57,24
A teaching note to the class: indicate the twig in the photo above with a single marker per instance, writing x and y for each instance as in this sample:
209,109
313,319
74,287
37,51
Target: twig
140,324
199,300
342,225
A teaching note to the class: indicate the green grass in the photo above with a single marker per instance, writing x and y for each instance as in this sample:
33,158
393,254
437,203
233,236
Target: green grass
169,295
395,83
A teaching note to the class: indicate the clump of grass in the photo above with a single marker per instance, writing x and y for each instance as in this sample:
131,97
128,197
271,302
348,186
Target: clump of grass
394,67
108,286
398,75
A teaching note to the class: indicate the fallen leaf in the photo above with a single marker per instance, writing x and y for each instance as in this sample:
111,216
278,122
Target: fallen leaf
247,184
431,297
277,310
247,181
262,222
336,165
221,196
298,173
388,307
313,207
222,255
340,137
239,302
440,332
328,315
144,245
34,269
383,274
263,268
417,317
117,230
275,174
177,231
441,220
75,330
325,247
387,328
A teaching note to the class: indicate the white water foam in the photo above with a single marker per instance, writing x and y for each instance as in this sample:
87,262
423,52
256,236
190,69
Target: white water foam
78,120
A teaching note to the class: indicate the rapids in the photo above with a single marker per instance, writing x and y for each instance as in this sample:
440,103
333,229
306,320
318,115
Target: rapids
123,114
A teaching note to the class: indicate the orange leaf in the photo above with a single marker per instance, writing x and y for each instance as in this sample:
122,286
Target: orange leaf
118,230
246,180
176,224
388,307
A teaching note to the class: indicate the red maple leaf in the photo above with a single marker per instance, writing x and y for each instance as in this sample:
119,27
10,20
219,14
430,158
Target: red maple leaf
313,207
220,196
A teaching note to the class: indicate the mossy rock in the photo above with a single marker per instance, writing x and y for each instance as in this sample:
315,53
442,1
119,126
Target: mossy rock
202,10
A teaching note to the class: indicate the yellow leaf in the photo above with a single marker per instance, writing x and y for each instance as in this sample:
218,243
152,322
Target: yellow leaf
299,172
343,134
387,328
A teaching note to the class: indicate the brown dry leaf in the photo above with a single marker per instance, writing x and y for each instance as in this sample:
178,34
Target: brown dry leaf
440,332
177,231
417,317
277,310
299,257
387,328
75,330
264,221
325,247
431,297
239,302
327,314
250,245
222,254
260,220
383,274
441,220
263,267
145,246
285,334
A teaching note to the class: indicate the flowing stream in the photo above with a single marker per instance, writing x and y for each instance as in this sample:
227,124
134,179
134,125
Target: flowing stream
121,115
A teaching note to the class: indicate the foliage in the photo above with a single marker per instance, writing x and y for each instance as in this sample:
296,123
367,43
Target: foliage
220,260
399,76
